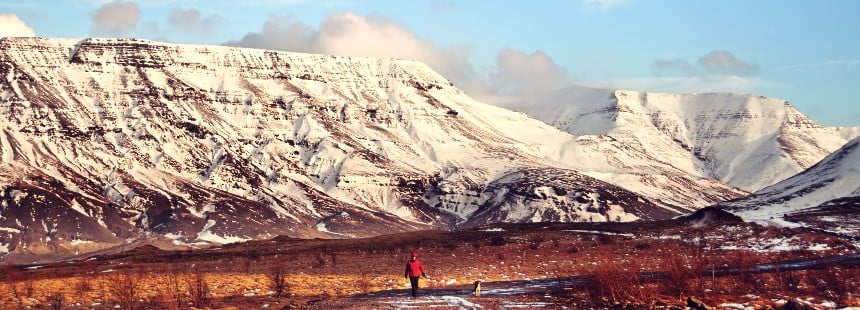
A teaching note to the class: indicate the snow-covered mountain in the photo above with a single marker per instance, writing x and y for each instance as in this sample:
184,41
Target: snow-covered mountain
108,141
817,197
746,141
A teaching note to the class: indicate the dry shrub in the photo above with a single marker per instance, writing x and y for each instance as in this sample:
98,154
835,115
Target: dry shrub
785,279
641,246
605,239
170,290
103,284
612,281
556,242
364,283
450,244
12,278
199,287
834,283
56,301
29,287
535,241
476,245
743,265
319,262
82,286
125,289
498,240
677,273
277,276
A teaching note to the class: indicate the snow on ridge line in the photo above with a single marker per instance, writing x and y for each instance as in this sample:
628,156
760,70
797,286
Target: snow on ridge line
70,42
74,46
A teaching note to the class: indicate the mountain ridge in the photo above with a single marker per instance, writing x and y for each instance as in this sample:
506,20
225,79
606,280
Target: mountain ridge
111,141
830,183
713,135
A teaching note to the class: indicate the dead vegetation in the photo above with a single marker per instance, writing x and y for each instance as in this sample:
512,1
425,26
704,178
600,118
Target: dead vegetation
635,265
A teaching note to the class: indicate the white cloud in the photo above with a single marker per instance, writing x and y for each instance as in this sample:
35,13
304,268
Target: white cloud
725,63
348,34
716,62
353,35
116,18
12,26
521,73
717,71
517,78
280,33
191,21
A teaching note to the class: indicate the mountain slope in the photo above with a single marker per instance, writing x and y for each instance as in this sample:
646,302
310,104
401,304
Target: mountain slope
110,142
105,141
833,183
746,141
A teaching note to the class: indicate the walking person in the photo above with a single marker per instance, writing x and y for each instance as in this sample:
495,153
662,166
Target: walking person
414,271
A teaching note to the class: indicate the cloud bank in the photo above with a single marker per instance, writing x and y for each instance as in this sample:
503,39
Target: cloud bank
517,76
12,26
718,62
349,34
716,71
116,18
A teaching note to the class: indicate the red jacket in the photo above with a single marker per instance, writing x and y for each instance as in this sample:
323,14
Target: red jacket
414,268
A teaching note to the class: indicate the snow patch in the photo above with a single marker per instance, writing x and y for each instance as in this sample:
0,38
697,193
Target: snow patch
321,227
602,233
10,230
201,213
207,235
77,242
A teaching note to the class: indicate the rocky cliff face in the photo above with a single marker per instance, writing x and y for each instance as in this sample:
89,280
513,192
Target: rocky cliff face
106,141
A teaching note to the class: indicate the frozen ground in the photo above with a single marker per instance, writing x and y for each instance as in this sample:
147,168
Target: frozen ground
544,293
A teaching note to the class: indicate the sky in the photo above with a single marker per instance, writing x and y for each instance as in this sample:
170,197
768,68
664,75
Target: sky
508,52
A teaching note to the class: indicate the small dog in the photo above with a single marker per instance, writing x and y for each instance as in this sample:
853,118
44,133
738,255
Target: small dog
477,288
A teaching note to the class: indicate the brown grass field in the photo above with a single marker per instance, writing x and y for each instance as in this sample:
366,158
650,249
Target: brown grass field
546,265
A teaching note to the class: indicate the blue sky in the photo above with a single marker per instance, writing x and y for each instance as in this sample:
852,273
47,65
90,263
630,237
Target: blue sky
807,52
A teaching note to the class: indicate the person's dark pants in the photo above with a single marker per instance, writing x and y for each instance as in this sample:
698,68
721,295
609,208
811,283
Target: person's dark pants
414,282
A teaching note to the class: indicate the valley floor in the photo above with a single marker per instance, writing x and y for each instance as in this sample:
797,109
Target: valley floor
723,263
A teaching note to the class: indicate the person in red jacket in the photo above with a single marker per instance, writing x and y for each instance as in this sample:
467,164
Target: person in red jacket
414,270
